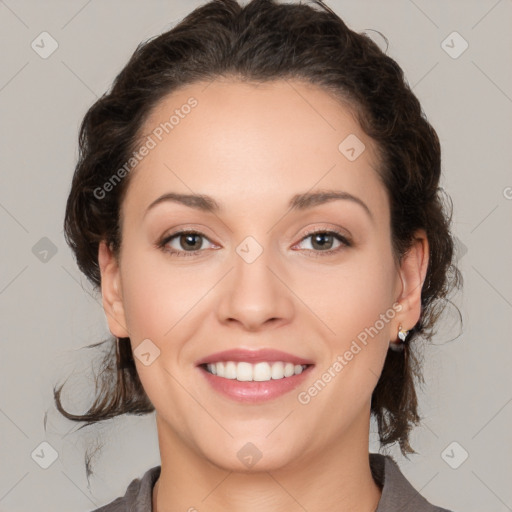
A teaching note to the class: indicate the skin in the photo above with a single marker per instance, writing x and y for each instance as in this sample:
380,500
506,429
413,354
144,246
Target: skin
251,147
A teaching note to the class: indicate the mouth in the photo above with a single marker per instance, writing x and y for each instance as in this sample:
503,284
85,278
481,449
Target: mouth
244,371
254,376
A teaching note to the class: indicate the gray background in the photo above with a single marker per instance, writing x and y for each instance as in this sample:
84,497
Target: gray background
48,310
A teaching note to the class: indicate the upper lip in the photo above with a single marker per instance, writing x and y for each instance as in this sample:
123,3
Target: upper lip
252,356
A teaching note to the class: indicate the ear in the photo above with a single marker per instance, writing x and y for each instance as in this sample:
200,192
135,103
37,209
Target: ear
111,291
412,272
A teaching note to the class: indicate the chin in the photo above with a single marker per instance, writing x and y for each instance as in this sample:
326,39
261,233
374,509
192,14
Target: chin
252,455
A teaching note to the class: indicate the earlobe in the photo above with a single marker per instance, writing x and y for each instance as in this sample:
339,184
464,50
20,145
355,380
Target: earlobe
413,270
111,291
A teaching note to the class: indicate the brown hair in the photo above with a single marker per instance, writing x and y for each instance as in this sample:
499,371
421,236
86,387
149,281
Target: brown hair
266,41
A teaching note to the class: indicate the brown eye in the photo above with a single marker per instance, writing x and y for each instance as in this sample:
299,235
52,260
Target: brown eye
322,242
190,241
186,243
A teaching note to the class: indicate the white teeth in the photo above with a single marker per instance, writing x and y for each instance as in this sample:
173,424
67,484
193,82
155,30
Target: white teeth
278,370
261,372
229,370
258,372
243,371
289,369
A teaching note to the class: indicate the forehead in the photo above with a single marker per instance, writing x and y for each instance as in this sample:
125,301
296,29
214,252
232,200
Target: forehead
245,142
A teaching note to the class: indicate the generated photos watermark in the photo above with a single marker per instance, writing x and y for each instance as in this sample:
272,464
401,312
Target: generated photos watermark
305,397
150,143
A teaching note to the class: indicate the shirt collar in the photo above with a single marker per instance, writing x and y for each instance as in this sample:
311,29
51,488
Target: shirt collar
398,495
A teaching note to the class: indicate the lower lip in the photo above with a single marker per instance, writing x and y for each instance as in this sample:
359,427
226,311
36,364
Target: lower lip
254,391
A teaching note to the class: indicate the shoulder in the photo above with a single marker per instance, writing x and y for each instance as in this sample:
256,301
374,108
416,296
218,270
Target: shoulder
138,495
397,491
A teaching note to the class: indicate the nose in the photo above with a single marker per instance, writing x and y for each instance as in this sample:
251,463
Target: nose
256,295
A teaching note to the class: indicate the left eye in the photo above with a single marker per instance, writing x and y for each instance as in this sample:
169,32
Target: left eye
325,240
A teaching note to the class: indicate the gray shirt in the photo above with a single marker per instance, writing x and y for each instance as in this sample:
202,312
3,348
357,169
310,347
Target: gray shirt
398,495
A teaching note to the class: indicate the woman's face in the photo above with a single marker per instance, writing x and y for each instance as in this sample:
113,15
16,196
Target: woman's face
254,278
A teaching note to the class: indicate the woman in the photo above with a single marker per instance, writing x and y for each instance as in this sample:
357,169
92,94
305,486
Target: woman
258,200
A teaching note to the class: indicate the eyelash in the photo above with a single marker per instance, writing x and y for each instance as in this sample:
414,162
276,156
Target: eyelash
337,235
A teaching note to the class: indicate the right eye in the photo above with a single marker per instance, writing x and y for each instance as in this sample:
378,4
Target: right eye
192,240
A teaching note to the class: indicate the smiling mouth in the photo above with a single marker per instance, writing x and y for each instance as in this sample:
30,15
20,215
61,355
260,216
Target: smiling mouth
254,372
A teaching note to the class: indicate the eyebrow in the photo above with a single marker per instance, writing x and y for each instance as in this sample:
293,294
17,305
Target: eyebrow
298,202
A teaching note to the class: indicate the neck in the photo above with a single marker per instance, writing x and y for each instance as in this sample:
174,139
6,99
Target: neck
339,478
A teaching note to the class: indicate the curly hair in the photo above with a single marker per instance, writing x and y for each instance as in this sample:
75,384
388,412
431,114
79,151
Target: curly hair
265,41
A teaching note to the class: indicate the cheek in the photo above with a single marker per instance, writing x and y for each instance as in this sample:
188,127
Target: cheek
360,313
352,295
157,294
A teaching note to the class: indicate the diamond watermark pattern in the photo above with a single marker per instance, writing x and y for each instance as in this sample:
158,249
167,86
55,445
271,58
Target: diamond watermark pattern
44,45
351,147
44,455
249,249
249,454
454,455
146,352
460,248
44,249
454,45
